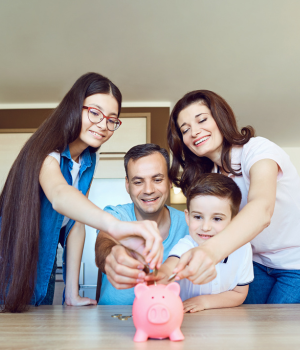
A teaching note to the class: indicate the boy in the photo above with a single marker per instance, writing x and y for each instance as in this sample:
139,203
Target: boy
212,202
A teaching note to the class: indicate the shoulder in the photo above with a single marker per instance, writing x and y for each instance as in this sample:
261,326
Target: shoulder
186,243
55,155
123,212
179,227
176,215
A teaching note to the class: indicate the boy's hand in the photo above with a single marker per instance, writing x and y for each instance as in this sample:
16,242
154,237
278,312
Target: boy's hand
161,278
194,304
79,301
197,265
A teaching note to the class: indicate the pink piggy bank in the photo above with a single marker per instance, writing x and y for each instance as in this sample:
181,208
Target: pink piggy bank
157,312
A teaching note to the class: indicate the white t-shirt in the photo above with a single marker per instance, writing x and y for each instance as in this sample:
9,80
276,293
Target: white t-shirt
235,270
278,245
74,173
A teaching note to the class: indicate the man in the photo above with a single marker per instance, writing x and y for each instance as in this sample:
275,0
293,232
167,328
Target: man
148,185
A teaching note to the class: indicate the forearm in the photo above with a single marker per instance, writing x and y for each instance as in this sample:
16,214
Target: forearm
72,203
166,269
103,247
251,220
222,300
75,244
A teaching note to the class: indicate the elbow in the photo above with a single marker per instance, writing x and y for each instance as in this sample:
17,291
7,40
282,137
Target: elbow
56,199
267,214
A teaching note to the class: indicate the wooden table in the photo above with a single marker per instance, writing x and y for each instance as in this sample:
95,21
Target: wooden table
246,327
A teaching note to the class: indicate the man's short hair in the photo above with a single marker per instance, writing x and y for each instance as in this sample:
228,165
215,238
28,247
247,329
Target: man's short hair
218,185
145,150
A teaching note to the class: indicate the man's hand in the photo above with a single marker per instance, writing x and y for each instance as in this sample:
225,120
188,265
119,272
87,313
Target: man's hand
123,268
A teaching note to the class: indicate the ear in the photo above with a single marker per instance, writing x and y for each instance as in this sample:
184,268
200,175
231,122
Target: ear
187,217
127,184
174,287
140,289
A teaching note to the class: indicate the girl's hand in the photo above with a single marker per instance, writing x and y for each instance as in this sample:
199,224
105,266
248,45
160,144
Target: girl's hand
144,238
197,265
79,301
193,304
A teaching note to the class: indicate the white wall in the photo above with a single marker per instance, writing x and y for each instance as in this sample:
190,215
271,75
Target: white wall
294,153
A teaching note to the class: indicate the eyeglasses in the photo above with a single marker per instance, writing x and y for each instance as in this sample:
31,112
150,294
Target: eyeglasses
96,116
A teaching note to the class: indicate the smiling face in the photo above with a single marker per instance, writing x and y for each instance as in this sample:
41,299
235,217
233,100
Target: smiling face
96,134
200,132
148,184
207,216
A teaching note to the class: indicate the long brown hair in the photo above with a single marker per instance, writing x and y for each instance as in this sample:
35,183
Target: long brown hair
20,197
192,165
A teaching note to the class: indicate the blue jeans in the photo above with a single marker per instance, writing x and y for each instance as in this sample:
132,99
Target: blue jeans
274,286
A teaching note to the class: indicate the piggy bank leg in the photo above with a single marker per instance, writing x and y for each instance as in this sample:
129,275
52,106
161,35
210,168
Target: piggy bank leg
140,336
176,335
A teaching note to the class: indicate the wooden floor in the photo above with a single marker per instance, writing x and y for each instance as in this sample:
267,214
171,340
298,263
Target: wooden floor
62,327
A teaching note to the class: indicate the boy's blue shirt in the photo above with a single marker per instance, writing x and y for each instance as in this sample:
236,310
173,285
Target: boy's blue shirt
178,229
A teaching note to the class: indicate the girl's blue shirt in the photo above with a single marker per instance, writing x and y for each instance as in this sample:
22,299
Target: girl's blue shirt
51,222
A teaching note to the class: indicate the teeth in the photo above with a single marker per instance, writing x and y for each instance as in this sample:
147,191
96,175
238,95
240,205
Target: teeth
96,134
201,140
149,200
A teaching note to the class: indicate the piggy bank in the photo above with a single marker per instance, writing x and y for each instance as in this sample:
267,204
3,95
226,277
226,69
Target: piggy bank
157,312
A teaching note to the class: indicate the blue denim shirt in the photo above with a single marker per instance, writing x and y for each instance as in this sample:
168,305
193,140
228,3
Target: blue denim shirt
51,222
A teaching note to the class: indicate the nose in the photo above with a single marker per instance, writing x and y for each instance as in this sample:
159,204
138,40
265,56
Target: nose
195,130
102,124
206,226
149,188
158,314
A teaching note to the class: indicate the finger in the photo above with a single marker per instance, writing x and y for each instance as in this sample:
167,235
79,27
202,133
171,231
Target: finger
124,275
157,259
203,280
119,255
86,301
187,308
183,262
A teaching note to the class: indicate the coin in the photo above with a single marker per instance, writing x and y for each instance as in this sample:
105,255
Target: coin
116,315
172,276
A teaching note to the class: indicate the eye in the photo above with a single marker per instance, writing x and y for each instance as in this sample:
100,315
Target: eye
197,217
152,297
158,180
137,182
185,131
202,120
163,297
95,112
218,219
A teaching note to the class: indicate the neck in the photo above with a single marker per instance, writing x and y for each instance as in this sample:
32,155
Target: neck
76,148
162,218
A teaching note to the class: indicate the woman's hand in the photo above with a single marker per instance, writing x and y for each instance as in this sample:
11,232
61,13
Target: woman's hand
140,236
197,265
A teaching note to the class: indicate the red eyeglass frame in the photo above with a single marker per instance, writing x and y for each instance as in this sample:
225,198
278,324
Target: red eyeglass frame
88,108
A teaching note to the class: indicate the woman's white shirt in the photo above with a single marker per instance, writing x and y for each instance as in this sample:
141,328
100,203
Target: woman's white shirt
277,246
74,173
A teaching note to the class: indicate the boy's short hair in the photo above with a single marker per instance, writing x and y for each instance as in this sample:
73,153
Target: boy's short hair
144,150
218,185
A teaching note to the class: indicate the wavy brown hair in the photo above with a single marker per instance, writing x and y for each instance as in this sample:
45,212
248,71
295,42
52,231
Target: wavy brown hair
20,197
192,165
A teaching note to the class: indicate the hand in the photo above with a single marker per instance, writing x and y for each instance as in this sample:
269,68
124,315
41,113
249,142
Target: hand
160,278
193,304
123,268
197,265
79,301
148,231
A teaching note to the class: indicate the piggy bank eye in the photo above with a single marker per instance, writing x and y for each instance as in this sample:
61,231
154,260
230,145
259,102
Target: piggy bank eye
163,296
152,297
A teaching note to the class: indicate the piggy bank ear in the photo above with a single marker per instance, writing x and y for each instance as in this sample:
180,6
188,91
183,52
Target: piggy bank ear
174,287
140,289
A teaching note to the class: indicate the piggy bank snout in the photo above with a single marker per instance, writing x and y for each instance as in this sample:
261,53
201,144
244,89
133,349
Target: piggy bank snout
158,314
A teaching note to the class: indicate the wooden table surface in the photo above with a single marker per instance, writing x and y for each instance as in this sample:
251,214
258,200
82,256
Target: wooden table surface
246,327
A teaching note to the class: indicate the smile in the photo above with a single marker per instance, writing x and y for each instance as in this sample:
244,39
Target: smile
201,140
149,200
98,136
204,236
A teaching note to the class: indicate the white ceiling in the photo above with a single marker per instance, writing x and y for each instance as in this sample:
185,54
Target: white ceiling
155,51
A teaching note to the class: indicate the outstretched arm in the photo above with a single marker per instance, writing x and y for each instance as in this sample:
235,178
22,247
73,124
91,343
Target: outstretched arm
230,298
198,264
72,203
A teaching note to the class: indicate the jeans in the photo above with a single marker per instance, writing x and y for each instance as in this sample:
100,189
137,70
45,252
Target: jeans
274,286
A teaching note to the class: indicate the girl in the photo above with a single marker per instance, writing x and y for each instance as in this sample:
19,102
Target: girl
203,136
46,191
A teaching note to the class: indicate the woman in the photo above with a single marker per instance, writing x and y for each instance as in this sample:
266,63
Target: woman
203,137
46,191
